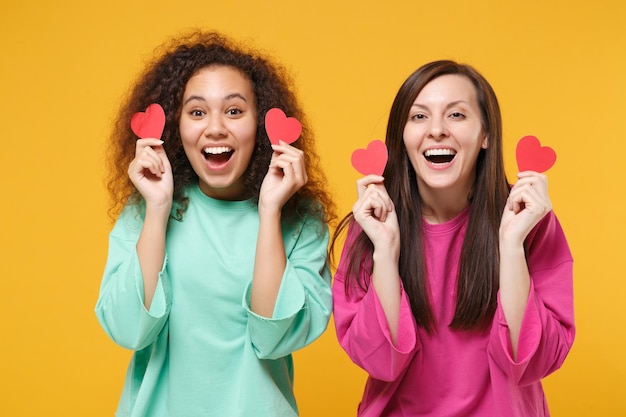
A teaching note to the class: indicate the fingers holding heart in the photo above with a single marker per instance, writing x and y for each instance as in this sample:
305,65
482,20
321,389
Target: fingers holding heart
285,176
374,211
530,191
368,181
373,201
148,157
527,204
151,173
292,169
150,162
291,161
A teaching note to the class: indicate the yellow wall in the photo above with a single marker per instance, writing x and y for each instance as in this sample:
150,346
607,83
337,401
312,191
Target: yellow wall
558,67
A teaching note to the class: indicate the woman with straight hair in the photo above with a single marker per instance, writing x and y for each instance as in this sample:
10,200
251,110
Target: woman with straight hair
454,289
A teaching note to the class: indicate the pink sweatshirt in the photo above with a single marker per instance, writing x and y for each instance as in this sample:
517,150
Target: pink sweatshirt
454,373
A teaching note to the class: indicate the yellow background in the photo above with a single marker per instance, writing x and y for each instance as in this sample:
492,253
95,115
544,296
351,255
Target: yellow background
559,69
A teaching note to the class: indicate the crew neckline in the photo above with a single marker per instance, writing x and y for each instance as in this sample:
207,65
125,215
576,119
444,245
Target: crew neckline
214,202
450,225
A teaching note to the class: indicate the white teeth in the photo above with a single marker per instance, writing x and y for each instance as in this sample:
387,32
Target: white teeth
216,150
438,152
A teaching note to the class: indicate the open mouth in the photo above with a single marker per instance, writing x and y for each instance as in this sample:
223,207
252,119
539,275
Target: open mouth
217,154
440,156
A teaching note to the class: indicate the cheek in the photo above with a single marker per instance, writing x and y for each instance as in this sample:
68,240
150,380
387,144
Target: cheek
411,136
190,133
188,140
184,129
247,135
190,152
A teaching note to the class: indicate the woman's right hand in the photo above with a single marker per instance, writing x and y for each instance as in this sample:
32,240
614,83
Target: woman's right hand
375,212
151,173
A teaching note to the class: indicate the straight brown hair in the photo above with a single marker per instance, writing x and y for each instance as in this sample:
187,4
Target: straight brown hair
477,282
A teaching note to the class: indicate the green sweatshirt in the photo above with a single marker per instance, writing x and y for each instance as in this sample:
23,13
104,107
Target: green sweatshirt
200,350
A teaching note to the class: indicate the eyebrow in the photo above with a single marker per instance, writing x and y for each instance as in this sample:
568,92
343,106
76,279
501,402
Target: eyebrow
451,104
228,97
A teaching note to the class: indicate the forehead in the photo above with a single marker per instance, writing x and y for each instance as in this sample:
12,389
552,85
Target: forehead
219,79
448,88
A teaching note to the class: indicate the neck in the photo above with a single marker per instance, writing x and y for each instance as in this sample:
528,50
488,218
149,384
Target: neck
442,205
443,214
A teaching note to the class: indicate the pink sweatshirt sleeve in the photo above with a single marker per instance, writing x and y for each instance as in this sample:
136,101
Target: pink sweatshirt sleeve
547,331
362,328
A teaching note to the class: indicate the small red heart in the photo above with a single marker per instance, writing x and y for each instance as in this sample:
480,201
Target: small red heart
149,124
531,156
280,127
371,160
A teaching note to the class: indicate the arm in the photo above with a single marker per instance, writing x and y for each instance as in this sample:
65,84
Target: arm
120,309
151,250
135,266
527,204
286,175
545,331
303,303
375,213
362,327
375,327
151,174
289,297
269,263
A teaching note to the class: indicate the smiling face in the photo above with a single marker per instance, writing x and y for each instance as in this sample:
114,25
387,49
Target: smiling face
443,136
218,129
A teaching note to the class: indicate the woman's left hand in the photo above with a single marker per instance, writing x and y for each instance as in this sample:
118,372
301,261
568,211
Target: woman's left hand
286,175
527,204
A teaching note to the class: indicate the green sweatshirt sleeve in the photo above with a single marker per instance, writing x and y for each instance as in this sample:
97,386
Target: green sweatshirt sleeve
304,302
120,308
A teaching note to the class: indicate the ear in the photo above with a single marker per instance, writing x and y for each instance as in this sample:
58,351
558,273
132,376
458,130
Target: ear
485,143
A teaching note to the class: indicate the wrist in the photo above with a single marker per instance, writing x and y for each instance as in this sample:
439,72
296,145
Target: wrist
269,212
511,247
158,211
270,220
386,253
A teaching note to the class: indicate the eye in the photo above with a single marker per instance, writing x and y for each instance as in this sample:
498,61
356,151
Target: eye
418,116
234,111
196,113
457,115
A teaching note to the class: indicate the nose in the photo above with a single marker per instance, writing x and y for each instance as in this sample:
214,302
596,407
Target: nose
437,128
215,126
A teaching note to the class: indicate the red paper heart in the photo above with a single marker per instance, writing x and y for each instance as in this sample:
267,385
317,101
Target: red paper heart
149,124
280,127
371,160
531,156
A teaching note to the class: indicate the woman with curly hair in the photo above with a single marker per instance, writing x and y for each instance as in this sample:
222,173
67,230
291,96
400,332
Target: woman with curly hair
217,267
454,290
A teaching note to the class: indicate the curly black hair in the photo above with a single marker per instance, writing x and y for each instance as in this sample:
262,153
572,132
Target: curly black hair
164,80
